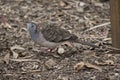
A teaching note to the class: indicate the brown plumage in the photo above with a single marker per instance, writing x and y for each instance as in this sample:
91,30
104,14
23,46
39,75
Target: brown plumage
55,34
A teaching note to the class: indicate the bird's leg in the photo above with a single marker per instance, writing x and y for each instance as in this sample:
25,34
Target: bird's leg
48,50
51,50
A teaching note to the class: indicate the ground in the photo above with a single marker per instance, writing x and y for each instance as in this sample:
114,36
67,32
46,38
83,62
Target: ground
22,59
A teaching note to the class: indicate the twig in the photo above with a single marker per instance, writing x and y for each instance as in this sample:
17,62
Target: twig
101,25
13,74
25,60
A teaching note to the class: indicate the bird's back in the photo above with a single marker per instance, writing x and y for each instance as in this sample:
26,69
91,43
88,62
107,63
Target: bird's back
56,34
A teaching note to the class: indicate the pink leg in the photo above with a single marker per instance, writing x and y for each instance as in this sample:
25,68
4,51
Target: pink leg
47,50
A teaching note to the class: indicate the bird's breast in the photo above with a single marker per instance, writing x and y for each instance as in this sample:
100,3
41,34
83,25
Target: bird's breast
45,43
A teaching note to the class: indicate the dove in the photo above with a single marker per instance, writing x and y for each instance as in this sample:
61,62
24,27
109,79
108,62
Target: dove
51,36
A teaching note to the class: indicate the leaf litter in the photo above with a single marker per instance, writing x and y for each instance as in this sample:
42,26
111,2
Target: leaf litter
88,19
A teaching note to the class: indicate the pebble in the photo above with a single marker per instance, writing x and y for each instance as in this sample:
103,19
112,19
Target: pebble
61,50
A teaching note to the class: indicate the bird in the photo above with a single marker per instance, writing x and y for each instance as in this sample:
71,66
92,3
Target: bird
51,36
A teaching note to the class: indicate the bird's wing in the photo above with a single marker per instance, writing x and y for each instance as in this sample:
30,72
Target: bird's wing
56,34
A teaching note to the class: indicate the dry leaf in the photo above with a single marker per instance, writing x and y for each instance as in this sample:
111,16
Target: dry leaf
25,29
99,63
109,62
4,23
8,25
80,65
17,47
6,58
62,3
50,64
93,66
15,55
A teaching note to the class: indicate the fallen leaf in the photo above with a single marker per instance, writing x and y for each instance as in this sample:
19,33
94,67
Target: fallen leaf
15,55
109,62
50,64
24,29
17,47
89,65
7,58
80,65
4,23
63,3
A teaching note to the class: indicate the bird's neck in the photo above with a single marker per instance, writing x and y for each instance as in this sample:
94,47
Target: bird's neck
35,36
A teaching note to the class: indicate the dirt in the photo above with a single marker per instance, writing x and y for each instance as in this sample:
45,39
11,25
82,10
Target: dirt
22,59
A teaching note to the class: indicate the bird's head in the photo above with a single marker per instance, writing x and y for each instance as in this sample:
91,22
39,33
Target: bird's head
32,29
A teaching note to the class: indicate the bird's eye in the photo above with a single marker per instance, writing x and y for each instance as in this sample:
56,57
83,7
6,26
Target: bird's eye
32,26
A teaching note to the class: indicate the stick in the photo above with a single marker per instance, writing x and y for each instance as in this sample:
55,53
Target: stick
101,25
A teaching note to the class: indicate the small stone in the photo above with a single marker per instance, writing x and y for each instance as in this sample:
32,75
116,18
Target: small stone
82,4
61,50
116,74
50,64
